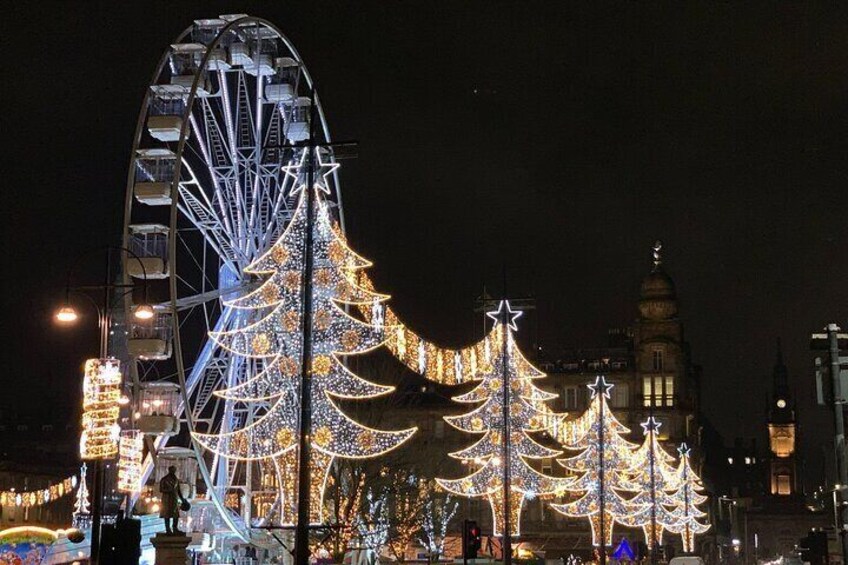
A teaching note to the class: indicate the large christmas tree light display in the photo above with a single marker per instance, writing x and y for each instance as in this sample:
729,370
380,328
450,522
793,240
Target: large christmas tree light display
652,476
270,339
686,499
512,407
601,466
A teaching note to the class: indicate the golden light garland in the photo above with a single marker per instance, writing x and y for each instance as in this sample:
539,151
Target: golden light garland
101,392
30,498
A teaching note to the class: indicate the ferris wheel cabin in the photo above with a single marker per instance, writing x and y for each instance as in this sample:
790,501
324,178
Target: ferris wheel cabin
186,59
165,114
153,176
151,340
150,244
157,411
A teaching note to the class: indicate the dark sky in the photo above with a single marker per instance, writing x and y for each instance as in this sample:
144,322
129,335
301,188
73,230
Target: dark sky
558,140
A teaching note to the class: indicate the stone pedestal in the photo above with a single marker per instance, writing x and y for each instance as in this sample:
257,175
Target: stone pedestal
170,550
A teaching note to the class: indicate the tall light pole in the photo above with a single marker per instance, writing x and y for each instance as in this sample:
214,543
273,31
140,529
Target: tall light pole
830,342
68,315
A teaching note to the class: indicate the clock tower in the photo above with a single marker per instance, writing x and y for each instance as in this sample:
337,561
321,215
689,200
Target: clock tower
783,432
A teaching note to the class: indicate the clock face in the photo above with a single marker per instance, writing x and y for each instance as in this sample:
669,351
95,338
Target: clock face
781,403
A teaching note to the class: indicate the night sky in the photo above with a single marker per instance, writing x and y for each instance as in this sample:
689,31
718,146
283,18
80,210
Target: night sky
558,141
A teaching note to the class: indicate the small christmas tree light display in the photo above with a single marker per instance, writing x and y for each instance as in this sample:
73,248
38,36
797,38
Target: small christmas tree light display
686,499
511,407
81,517
601,467
652,476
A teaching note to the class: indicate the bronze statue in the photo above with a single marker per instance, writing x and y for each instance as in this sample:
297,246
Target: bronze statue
169,486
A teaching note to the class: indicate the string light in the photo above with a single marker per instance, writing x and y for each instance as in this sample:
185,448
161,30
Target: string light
30,498
101,394
268,332
523,415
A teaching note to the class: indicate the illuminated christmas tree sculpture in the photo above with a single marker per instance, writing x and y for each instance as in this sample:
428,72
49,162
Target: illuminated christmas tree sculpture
601,466
652,476
270,337
686,499
512,407
81,517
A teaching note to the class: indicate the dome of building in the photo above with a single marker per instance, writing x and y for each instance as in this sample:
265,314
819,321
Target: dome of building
658,295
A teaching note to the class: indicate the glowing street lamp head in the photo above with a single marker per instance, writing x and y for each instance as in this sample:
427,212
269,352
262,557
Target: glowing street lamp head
66,314
143,312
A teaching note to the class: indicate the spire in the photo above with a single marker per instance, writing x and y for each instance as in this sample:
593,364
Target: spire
780,374
657,252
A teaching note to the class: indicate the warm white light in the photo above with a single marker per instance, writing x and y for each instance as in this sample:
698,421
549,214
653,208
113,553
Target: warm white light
124,400
66,314
143,312
781,403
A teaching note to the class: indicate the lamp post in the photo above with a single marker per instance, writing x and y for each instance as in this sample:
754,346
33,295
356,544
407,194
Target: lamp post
68,315
831,341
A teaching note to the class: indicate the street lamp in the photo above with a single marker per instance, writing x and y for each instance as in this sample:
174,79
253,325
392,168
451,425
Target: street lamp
67,315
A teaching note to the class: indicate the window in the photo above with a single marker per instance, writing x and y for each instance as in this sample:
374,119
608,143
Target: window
783,485
669,391
621,396
730,460
657,360
658,391
547,465
570,397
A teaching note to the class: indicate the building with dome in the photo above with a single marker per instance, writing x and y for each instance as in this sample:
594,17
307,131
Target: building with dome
649,363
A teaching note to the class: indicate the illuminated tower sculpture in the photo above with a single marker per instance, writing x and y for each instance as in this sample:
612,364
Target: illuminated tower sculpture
511,406
782,429
270,339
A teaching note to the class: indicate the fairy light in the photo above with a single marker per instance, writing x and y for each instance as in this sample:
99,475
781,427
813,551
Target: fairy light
129,461
269,333
526,413
101,391
602,446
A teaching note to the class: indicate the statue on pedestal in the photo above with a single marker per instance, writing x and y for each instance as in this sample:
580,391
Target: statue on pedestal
172,500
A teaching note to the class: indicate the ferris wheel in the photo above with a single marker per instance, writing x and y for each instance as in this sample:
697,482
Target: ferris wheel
229,104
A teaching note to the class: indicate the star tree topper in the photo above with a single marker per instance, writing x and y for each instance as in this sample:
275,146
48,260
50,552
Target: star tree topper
319,179
505,315
600,385
650,426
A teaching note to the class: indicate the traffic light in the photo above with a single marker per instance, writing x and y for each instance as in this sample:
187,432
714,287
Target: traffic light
472,539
